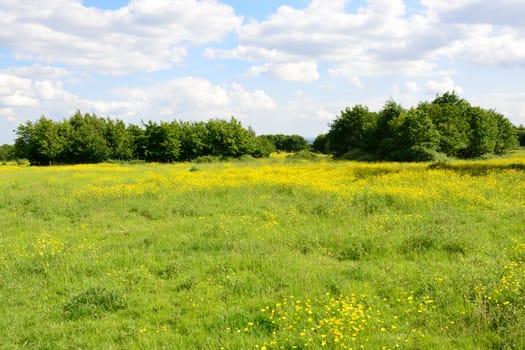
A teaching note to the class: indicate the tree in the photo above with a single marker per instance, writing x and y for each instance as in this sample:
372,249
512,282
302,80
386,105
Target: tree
520,131
320,144
351,130
119,140
86,139
507,136
139,143
193,138
50,141
228,138
163,141
7,152
287,143
483,130
25,146
382,135
448,113
415,137
263,147
42,142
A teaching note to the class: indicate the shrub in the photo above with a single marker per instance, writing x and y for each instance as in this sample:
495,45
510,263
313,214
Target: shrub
302,155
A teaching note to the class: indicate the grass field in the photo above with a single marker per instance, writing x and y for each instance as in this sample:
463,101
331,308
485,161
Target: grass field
268,254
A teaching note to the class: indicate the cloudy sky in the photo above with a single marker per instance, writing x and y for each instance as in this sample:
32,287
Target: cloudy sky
277,66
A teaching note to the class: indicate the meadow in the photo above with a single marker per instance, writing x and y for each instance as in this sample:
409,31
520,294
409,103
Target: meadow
264,254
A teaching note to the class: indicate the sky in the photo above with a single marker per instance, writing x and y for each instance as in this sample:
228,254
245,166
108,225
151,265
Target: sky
277,66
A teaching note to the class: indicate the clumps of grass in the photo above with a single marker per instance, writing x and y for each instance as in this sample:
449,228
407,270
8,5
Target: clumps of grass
245,322
421,243
170,271
454,246
365,172
372,203
500,305
185,284
356,249
151,214
302,156
207,159
23,162
475,168
93,302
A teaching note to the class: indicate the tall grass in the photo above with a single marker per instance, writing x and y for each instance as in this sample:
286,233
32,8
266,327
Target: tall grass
263,254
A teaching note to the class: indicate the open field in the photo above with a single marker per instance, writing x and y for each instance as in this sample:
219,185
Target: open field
263,254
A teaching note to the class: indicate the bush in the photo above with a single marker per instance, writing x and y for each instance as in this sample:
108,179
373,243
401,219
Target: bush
302,155
23,162
359,155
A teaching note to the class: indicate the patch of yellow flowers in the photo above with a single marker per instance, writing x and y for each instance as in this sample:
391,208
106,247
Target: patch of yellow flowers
323,322
405,184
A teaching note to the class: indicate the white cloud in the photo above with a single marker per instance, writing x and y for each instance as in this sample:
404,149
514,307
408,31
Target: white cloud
501,12
374,41
254,71
491,46
412,86
511,105
301,71
40,72
492,32
383,38
23,98
323,114
250,101
354,70
292,71
194,99
186,98
145,35
442,86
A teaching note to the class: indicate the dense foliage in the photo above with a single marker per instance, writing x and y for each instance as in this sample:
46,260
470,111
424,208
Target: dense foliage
87,138
521,134
446,127
7,152
287,143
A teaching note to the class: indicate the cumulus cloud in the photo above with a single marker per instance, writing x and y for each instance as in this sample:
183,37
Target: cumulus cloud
511,105
442,86
292,71
375,40
502,12
193,98
145,35
24,98
382,38
185,98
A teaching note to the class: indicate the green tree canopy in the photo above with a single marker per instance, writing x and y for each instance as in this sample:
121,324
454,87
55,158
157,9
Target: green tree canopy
447,126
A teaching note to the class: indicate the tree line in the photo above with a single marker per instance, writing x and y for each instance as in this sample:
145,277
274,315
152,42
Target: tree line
87,138
446,127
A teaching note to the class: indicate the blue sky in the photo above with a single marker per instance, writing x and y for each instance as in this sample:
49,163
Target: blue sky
277,66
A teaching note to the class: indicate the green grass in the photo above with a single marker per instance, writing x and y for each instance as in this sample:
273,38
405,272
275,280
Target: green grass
168,264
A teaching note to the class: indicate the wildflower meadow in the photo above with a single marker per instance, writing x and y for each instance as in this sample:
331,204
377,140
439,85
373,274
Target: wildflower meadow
277,253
